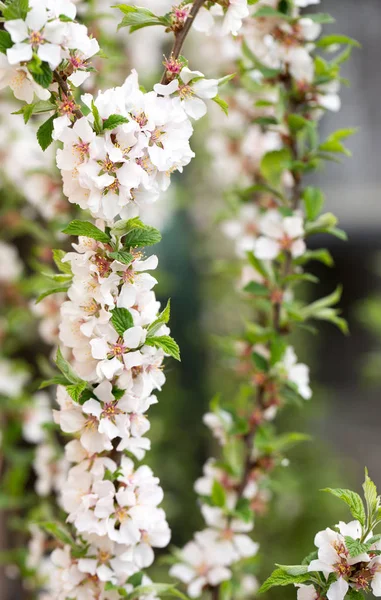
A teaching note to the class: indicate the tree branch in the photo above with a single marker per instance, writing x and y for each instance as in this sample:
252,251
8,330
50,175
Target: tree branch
64,87
181,35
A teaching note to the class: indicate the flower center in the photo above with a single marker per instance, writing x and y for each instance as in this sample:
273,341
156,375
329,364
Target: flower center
104,556
110,410
118,349
36,38
185,91
141,119
83,150
91,423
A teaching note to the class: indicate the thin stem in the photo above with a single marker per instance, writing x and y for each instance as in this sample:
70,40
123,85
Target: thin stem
180,36
67,91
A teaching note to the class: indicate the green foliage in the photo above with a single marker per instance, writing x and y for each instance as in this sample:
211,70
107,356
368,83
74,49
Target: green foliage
121,320
64,267
98,123
333,142
135,233
15,9
114,121
221,103
40,107
122,256
45,132
5,41
218,494
41,72
313,199
353,500
355,547
166,343
87,229
273,165
139,17
142,236
162,319
280,577
66,369
322,310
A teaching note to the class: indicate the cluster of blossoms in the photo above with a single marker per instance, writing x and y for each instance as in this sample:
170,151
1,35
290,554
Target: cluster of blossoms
355,569
347,561
146,138
46,35
263,148
115,160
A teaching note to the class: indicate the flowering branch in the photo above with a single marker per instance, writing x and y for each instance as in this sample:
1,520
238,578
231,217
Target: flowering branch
113,339
288,86
347,561
180,36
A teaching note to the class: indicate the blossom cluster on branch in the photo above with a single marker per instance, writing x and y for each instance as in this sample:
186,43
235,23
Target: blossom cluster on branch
271,141
118,152
347,560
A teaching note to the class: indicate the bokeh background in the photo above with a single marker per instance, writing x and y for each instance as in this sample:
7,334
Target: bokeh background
344,415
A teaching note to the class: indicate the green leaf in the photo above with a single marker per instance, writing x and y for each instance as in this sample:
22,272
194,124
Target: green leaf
266,121
121,320
278,347
355,547
57,380
333,40
258,265
371,496
66,369
281,578
323,18
293,569
273,165
40,107
322,255
98,123
64,267
54,290
76,390
166,343
260,362
221,103
140,237
313,199
42,74
45,132
257,288
218,494
16,9
138,17
162,319
122,256
5,41
352,499
58,531
353,594
136,579
326,223
296,123
120,228
114,121
86,229
333,141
